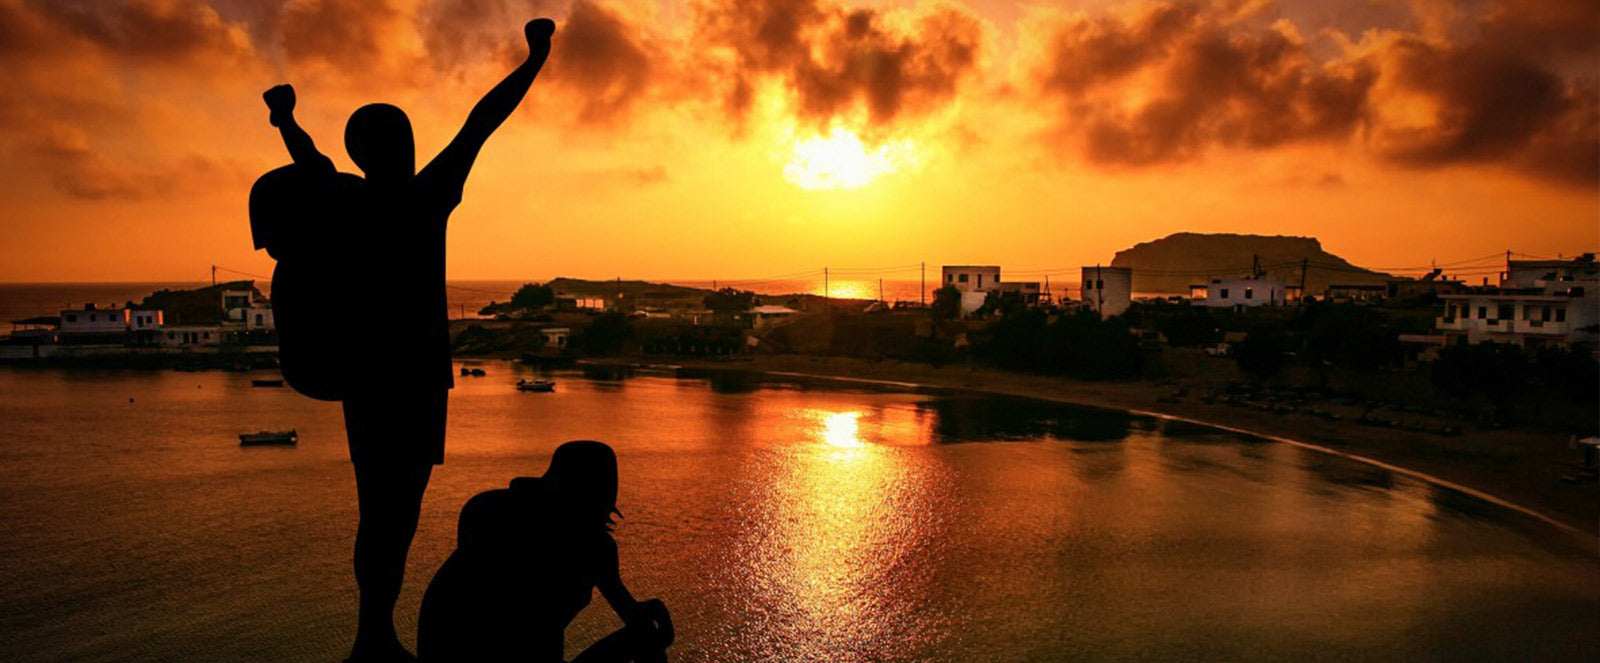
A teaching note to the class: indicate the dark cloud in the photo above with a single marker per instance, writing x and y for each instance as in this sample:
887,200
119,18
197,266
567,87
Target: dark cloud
1167,81
369,42
835,60
73,73
607,63
158,31
1206,82
1492,105
64,156
1543,29
462,33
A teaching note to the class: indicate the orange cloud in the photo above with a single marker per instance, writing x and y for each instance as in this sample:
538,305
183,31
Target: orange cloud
834,60
75,75
1167,81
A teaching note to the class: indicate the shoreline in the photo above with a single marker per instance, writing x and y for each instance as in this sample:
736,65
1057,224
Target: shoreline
1515,469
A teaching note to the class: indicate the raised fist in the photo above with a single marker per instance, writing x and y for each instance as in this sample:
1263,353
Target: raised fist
538,32
280,100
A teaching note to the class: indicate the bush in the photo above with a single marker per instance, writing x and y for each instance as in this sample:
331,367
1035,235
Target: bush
1190,328
1262,354
605,335
1496,370
1574,373
1358,337
1077,344
946,303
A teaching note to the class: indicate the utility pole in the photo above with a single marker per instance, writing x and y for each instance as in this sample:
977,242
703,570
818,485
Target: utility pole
1048,298
880,288
1304,263
827,299
214,272
923,295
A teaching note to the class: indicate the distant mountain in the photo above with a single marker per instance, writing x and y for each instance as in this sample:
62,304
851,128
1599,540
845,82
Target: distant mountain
643,290
1173,263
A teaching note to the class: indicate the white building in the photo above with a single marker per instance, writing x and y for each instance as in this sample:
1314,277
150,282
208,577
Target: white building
139,320
767,315
1107,290
556,337
975,283
1539,302
92,324
1239,293
189,336
1549,274
235,301
241,308
93,320
259,318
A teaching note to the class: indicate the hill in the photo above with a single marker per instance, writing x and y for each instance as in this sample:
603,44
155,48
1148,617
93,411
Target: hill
1171,264
633,290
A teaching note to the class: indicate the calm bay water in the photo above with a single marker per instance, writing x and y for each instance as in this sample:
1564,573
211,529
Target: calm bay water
780,522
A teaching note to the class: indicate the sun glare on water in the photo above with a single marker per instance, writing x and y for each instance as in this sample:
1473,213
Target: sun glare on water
839,160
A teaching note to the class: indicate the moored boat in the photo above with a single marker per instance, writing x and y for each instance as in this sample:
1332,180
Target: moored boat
266,382
282,437
536,385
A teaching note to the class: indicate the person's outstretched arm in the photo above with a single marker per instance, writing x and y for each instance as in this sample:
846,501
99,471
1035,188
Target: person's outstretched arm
449,169
647,624
280,100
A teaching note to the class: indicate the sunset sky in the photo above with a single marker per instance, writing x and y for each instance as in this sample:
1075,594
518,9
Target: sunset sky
746,138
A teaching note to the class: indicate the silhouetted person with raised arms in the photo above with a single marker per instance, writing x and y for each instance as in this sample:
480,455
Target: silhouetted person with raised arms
395,379
528,559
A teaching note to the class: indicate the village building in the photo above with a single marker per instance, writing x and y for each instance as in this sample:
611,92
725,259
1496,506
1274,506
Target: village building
1108,290
555,338
1241,293
1028,292
766,315
975,282
188,336
92,325
1357,292
1538,302
1432,283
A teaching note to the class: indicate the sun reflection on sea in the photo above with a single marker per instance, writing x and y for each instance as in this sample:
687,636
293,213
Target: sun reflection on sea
834,551
837,289
843,430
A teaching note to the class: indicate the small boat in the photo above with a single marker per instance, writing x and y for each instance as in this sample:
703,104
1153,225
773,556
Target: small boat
266,382
536,385
282,437
478,372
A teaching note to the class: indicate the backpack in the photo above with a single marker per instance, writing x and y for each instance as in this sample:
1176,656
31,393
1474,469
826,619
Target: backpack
300,215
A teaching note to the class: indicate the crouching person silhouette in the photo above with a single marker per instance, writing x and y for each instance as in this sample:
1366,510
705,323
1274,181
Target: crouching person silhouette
528,559
394,383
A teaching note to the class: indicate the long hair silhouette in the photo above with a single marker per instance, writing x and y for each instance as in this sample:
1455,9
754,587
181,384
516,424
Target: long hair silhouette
528,559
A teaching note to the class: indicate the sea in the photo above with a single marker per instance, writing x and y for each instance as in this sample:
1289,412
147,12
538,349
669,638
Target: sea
779,519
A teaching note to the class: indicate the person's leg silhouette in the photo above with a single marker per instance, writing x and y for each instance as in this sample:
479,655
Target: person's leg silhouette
393,439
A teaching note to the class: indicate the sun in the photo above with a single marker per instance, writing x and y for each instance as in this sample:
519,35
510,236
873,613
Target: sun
839,160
